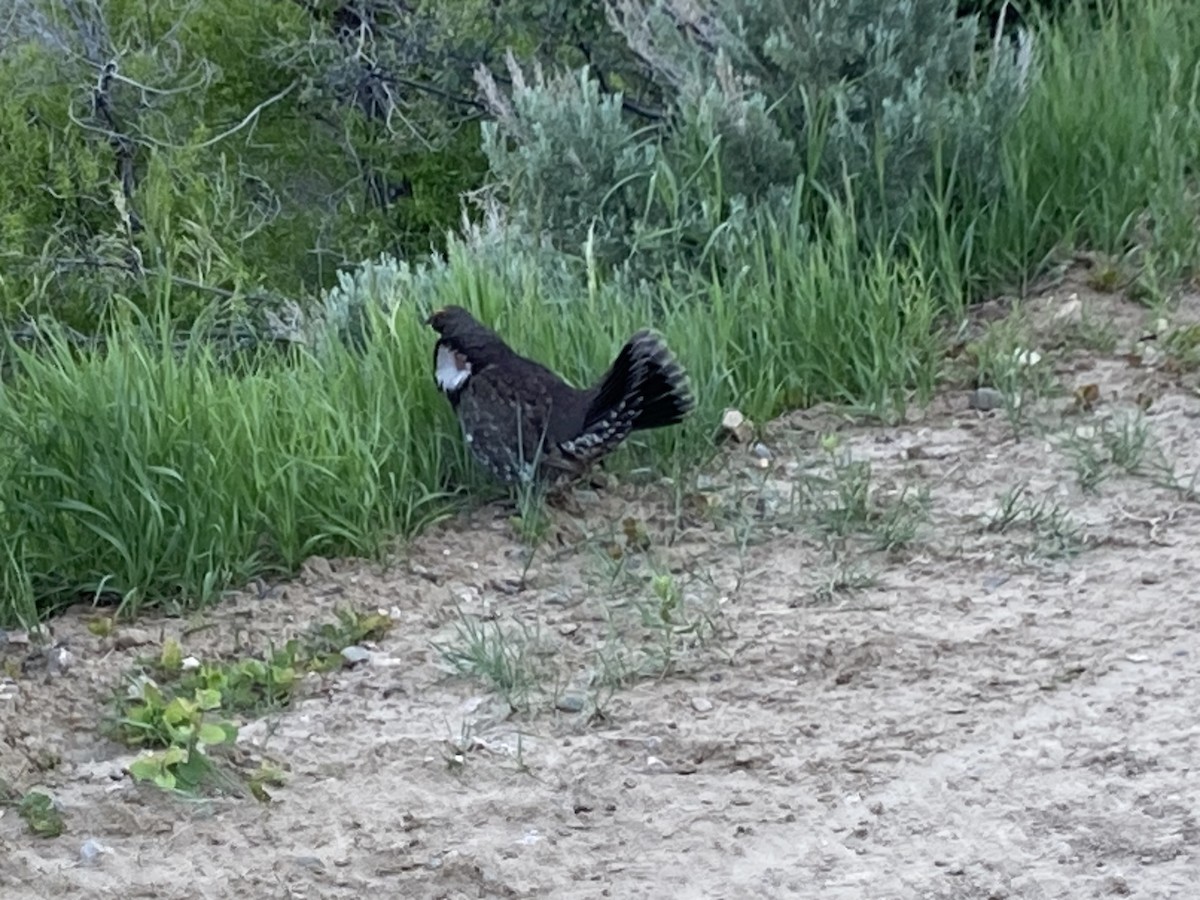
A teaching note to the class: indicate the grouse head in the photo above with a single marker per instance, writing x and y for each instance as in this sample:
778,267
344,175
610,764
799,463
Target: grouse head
464,347
454,323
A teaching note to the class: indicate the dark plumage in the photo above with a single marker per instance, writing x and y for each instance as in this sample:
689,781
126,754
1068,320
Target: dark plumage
515,412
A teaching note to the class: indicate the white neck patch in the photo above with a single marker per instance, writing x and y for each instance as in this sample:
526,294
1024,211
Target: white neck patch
451,369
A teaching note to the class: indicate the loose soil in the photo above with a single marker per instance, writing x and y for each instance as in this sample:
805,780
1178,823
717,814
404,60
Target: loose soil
733,703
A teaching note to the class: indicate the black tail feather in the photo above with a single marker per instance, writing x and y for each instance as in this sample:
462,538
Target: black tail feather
644,383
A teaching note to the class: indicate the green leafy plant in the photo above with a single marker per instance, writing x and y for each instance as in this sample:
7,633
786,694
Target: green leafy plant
177,707
37,809
182,727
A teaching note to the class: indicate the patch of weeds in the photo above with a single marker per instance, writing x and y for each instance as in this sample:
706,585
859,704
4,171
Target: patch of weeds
1005,361
186,729
847,507
845,577
1182,348
266,775
846,503
250,685
320,649
101,626
178,707
1089,332
532,519
1097,450
1126,444
900,519
637,538
670,625
501,658
654,628
1056,534
616,551
1087,459
1106,277
1163,473
459,747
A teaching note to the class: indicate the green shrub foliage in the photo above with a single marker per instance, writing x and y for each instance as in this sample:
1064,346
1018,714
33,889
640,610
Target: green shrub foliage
210,155
855,94
223,157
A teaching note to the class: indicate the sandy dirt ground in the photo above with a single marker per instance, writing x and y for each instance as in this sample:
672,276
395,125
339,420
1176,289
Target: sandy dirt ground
733,702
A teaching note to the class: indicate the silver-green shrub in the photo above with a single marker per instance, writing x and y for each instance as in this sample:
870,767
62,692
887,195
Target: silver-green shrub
859,95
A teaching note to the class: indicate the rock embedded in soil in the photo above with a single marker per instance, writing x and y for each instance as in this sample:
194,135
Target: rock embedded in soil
128,638
91,851
570,702
355,655
737,426
985,399
59,660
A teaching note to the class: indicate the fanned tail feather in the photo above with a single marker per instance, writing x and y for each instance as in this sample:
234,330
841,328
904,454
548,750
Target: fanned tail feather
644,388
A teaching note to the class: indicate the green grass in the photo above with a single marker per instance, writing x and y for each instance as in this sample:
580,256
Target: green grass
161,479
1104,155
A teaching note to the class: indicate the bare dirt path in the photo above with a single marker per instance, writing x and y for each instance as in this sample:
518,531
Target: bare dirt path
1005,703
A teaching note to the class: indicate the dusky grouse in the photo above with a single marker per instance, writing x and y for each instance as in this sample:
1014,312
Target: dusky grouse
524,423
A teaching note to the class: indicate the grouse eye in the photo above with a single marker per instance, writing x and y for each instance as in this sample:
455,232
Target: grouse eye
451,369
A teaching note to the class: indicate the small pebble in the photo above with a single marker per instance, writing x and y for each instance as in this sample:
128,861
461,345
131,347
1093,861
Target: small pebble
702,704
355,655
59,660
466,594
736,426
570,701
985,399
90,852
132,637
991,582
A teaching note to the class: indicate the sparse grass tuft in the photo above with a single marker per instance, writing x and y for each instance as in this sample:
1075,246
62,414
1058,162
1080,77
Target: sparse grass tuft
847,502
1055,534
1182,347
1122,445
654,625
502,658
844,577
